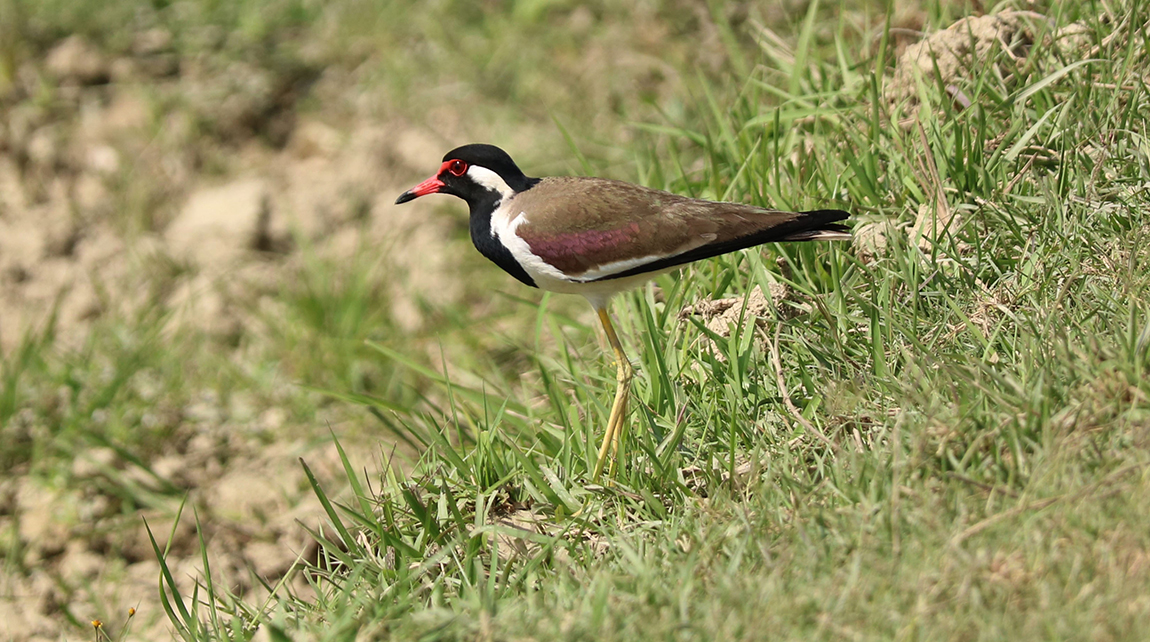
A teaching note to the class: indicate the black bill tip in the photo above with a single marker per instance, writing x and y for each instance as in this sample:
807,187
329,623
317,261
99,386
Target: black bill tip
405,197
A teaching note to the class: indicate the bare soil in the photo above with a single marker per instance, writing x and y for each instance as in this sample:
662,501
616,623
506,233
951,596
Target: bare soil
211,247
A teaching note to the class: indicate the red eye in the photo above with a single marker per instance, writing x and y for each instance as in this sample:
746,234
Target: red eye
457,167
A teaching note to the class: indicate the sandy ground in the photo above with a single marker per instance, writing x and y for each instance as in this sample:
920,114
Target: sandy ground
68,257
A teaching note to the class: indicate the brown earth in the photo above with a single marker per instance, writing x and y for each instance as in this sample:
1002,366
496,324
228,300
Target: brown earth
214,243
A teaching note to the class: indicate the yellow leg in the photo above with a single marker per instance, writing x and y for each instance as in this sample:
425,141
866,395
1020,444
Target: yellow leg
622,392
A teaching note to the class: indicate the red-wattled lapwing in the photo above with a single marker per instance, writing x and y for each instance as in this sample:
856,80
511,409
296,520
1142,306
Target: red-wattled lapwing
596,237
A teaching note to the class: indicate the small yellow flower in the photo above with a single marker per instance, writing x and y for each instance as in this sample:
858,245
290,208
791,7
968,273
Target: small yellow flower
97,624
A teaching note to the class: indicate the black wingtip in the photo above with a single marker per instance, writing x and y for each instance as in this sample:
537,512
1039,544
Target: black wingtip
819,225
825,216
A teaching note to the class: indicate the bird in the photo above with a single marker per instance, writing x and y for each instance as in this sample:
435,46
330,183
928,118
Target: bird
598,237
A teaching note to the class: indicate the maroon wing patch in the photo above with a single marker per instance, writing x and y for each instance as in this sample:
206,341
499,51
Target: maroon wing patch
579,251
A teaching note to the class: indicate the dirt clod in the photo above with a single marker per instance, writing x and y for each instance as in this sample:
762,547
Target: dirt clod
218,224
77,61
956,50
720,315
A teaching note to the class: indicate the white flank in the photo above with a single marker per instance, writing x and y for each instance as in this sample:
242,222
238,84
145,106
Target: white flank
503,227
615,267
547,276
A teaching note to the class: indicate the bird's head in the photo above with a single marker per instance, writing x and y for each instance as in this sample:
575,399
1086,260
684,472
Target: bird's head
476,173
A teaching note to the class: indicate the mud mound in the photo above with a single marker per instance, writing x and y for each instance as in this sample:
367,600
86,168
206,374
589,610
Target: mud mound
954,51
1003,39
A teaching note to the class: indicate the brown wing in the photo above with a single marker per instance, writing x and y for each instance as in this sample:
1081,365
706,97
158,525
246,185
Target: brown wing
613,229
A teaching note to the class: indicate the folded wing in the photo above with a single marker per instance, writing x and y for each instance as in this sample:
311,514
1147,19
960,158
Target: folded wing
594,229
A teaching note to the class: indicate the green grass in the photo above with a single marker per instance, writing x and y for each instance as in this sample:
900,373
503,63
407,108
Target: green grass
984,391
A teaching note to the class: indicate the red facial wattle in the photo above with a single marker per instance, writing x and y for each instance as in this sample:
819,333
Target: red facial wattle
435,183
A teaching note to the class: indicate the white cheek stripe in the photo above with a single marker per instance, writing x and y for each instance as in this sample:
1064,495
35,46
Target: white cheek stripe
490,180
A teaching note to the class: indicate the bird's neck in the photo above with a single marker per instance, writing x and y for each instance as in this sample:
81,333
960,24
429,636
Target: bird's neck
482,209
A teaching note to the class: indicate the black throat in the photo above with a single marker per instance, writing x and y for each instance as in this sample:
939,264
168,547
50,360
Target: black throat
482,207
